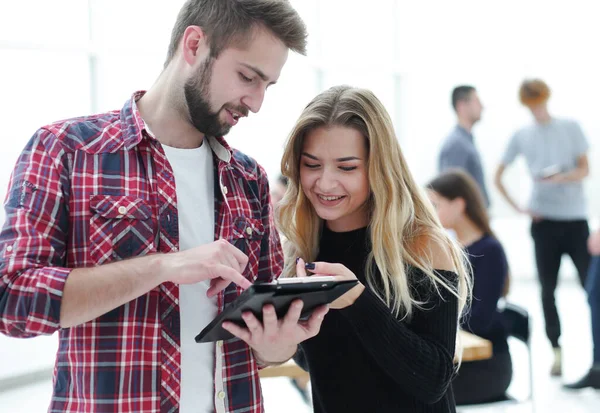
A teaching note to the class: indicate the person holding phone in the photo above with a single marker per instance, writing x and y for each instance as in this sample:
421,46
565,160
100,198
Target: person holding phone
556,154
353,210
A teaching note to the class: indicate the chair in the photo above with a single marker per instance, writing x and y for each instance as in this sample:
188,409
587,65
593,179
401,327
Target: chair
517,323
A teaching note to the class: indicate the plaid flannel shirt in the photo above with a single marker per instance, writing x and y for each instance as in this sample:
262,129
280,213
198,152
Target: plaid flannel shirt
92,190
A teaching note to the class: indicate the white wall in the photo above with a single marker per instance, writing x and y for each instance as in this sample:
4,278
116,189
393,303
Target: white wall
410,53
494,46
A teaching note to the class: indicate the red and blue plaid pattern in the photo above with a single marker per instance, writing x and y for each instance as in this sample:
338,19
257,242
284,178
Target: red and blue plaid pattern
93,190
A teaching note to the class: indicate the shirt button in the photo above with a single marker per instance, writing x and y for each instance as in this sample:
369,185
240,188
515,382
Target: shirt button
249,231
220,343
225,190
122,210
9,248
221,395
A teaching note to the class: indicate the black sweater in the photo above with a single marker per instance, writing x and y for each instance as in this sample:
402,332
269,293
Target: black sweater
364,359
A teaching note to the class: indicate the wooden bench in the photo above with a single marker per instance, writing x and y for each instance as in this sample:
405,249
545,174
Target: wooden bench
474,347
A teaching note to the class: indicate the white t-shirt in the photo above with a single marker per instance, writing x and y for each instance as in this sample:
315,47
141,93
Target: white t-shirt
194,174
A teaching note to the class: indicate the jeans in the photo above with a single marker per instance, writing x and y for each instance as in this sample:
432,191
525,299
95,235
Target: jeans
593,290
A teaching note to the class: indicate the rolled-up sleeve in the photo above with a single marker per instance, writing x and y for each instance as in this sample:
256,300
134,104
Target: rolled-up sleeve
33,241
580,142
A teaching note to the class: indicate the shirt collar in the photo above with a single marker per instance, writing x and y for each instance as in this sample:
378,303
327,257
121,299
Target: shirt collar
463,132
135,129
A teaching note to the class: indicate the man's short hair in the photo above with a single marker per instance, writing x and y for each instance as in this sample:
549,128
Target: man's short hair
461,94
228,22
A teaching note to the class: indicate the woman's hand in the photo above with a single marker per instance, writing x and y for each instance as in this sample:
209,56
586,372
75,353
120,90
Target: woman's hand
340,273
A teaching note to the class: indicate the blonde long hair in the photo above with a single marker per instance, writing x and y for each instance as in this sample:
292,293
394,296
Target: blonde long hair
402,219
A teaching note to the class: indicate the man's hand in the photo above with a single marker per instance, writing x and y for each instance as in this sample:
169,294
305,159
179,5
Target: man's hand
276,341
559,178
594,243
534,217
219,261
94,291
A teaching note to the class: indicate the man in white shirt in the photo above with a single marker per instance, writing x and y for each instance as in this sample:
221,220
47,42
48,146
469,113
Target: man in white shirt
126,232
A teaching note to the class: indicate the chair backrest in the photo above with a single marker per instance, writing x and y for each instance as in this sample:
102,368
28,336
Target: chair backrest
516,322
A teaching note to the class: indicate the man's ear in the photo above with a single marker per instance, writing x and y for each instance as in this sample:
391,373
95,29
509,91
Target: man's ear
194,45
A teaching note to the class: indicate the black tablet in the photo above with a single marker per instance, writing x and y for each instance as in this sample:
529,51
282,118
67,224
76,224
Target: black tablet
313,291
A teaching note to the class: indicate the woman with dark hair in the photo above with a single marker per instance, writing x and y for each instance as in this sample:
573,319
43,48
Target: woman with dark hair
461,208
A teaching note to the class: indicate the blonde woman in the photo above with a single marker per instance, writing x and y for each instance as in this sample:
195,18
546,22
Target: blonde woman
353,210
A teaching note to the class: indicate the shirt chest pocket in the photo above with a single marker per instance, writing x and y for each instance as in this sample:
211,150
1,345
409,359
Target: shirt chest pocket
121,227
247,235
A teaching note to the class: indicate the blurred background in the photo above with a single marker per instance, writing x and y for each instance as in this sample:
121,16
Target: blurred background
66,58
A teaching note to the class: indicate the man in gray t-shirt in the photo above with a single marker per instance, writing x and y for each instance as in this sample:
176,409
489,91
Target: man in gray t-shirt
553,150
458,149
556,154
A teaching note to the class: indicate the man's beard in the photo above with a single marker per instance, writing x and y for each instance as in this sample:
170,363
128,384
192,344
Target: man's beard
197,97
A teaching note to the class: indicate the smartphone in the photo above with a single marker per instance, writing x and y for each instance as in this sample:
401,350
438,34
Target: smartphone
550,171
